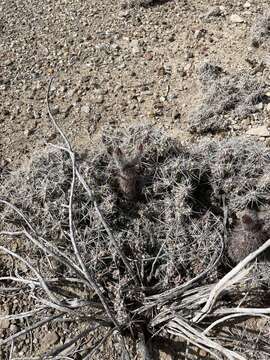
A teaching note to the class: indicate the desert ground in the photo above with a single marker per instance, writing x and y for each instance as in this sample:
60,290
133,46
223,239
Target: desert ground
194,72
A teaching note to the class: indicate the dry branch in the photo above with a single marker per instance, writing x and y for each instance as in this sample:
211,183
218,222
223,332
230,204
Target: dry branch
42,282
179,327
83,182
30,328
228,279
59,349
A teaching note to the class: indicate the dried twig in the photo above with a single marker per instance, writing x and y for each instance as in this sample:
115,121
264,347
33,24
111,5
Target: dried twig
30,328
22,314
83,182
228,279
233,316
40,278
105,225
169,295
91,352
178,326
89,192
59,349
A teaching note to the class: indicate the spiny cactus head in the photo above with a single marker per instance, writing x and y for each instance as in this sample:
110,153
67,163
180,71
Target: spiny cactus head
250,221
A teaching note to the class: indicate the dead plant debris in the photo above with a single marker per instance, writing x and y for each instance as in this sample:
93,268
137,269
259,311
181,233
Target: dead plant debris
101,237
226,98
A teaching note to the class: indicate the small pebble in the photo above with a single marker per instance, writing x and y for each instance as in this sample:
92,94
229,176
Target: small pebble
99,99
234,18
85,109
214,12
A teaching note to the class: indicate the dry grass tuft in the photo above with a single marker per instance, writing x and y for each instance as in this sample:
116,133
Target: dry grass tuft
225,98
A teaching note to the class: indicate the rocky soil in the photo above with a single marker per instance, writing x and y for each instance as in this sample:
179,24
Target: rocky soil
116,63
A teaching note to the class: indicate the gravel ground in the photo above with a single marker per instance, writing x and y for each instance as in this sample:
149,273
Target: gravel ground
116,63
113,64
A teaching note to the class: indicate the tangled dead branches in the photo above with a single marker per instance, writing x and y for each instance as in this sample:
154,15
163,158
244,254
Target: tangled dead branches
87,253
